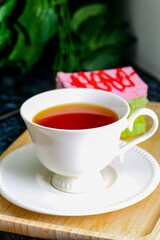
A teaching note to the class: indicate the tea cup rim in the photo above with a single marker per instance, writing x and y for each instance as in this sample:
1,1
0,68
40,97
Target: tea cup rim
73,130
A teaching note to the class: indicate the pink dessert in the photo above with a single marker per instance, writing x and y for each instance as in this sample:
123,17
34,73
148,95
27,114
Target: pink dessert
124,82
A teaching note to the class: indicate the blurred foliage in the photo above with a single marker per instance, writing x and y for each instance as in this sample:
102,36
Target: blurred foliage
84,35
25,28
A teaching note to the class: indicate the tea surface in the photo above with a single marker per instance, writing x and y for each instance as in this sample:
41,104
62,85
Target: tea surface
75,116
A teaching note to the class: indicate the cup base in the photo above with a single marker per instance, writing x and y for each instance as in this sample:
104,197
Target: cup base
81,184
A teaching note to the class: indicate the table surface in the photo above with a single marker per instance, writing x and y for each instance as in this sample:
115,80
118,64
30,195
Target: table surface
140,221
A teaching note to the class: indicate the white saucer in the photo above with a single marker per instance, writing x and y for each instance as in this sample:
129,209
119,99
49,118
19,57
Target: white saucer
26,183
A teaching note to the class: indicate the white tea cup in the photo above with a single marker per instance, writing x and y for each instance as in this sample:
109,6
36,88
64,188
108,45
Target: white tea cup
77,157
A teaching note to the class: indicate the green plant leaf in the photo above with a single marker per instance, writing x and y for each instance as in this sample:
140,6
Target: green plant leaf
25,29
8,38
40,20
5,37
102,59
117,39
101,38
88,11
24,55
6,9
92,29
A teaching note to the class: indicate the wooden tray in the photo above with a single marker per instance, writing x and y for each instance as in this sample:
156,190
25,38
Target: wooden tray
137,222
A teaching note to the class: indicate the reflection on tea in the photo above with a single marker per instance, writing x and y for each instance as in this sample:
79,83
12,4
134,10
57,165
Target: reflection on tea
75,116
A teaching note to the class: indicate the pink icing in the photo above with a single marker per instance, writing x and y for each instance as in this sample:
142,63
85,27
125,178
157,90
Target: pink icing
124,82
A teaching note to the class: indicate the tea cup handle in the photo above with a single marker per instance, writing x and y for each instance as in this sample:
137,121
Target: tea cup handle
148,134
